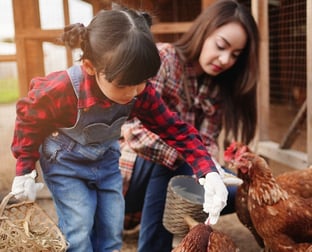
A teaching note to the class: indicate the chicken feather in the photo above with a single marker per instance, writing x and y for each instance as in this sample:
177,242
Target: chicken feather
283,220
202,238
298,182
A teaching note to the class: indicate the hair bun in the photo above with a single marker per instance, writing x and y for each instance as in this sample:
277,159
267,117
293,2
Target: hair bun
74,34
147,18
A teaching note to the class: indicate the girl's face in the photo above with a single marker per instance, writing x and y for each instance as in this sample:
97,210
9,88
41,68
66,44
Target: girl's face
117,93
222,48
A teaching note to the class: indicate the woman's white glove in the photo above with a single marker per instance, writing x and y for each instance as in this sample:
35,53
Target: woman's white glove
215,198
25,187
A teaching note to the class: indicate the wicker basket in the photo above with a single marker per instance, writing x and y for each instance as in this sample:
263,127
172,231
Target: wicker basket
26,227
185,197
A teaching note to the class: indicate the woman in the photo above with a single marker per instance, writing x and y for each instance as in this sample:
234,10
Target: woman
209,78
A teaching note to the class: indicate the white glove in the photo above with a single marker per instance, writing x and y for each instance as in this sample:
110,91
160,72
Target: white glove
227,178
25,187
215,196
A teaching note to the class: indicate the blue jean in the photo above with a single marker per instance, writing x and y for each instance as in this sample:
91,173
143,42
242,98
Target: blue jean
147,192
86,187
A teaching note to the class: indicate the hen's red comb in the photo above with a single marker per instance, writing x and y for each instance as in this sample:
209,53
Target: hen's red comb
234,150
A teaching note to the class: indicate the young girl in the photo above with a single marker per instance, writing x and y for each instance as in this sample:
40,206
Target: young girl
209,78
71,120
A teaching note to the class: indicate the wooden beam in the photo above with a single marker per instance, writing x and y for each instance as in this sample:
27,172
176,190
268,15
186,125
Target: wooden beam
294,129
53,34
206,3
7,57
29,53
309,79
292,158
69,54
260,13
50,35
98,5
170,27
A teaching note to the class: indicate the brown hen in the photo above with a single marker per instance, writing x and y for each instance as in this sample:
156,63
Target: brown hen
241,197
297,182
283,220
202,238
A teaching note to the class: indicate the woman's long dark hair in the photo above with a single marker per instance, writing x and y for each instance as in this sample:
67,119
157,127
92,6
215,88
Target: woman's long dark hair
238,85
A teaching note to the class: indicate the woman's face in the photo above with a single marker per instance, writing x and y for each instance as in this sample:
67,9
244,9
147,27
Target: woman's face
222,48
117,93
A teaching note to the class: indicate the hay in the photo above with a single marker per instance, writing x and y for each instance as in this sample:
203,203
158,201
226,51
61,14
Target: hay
26,227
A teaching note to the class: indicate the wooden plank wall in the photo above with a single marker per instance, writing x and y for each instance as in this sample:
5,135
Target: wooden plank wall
309,80
260,13
29,36
29,58
29,53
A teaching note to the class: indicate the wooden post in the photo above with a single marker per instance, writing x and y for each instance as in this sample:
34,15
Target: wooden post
69,55
260,13
206,3
309,80
29,53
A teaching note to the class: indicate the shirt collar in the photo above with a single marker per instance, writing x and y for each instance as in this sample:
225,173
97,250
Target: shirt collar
90,93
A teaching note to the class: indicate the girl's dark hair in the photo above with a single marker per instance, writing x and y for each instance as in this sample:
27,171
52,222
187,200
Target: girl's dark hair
238,84
119,44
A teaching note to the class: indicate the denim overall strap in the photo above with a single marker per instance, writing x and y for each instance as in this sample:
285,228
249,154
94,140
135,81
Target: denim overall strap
75,75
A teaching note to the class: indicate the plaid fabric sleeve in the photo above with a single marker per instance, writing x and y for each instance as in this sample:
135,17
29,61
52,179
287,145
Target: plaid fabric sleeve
148,145
151,110
38,114
126,163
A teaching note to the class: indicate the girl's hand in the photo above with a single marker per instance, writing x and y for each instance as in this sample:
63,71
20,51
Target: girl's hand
25,187
215,196
227,178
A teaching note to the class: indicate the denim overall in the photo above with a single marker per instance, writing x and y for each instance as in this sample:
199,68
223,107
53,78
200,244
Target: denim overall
80,168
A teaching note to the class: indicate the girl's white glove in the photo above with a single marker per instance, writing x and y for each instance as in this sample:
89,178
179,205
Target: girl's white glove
216,196
227,178
25,187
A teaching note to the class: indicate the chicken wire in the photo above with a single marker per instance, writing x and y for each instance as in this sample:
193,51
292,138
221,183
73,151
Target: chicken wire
287,52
